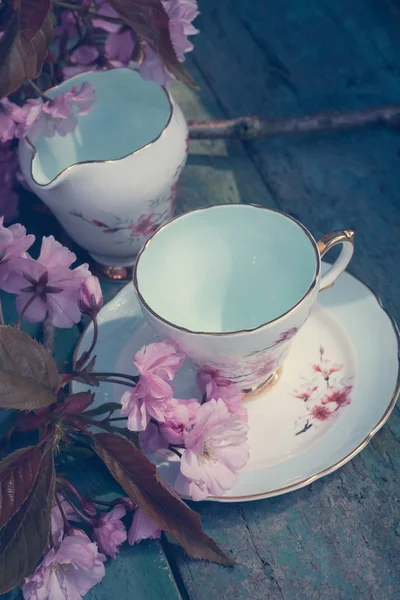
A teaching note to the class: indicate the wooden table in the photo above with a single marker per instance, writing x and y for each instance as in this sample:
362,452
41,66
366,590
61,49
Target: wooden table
338,538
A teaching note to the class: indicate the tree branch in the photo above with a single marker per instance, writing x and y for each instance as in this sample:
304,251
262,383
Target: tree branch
246,128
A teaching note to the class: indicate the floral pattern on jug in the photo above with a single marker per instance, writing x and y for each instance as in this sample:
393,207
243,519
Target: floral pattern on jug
146,224
325,393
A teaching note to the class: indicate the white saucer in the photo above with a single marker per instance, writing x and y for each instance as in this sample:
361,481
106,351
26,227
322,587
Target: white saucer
289,445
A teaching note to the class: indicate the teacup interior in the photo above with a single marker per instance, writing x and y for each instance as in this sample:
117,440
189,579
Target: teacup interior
226,268
128,114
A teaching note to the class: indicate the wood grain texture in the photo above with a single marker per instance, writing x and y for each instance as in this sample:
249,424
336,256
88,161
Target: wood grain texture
292,59
340,537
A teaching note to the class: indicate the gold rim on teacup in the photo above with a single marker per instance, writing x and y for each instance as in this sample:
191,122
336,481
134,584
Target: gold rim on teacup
320,248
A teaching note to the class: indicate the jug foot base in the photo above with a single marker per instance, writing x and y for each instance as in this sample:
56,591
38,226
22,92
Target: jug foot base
109,273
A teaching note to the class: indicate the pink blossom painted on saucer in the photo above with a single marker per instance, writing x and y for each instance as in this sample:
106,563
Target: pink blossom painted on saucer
323,393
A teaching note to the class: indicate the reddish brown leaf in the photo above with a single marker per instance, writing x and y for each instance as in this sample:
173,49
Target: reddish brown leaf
21,58
138,477
149,21
24,538
18,474
31,16
76,403
28,373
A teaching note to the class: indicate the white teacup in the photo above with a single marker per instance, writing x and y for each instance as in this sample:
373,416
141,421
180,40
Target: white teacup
232,285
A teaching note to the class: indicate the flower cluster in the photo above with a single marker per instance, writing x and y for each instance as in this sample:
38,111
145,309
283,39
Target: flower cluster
74,562
210,437
47,286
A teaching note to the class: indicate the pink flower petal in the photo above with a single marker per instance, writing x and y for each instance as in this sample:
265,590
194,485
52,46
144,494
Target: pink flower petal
36,312
142,528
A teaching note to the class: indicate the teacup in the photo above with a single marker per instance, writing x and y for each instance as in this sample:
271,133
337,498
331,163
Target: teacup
232,285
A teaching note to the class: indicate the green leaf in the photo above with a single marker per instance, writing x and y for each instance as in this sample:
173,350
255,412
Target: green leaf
22,52
24,538
150,22
28,373
138,477
18,474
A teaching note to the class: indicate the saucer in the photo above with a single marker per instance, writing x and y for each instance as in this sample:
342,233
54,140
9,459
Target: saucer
337,388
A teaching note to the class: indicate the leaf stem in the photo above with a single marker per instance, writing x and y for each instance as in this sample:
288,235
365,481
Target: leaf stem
38,91
80,363
67,526
1,314
93,14
78,512
111,380
175,451
134,378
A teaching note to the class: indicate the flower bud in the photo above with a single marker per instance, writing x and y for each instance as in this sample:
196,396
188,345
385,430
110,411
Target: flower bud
90,296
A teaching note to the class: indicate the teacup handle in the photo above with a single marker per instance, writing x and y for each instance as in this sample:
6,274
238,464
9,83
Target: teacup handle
346,238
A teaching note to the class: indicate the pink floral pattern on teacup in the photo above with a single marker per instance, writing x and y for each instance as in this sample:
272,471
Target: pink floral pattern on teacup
256,367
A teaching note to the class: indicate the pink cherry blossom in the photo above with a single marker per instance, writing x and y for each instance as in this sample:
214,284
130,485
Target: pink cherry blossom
287,335
107,11
81,60
110,532
338,396
57,521
215,389
157,364
181,14
13,244
327,367
68,572
48,284
119,46
142,528
151,440
320,412
82,98
57,115
183,414
305,393
144,226
90,295
141,407
29,115
67,25
215,449
179,419
7,124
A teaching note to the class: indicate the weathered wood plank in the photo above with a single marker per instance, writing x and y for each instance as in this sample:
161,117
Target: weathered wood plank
217,171
293,58
340,537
